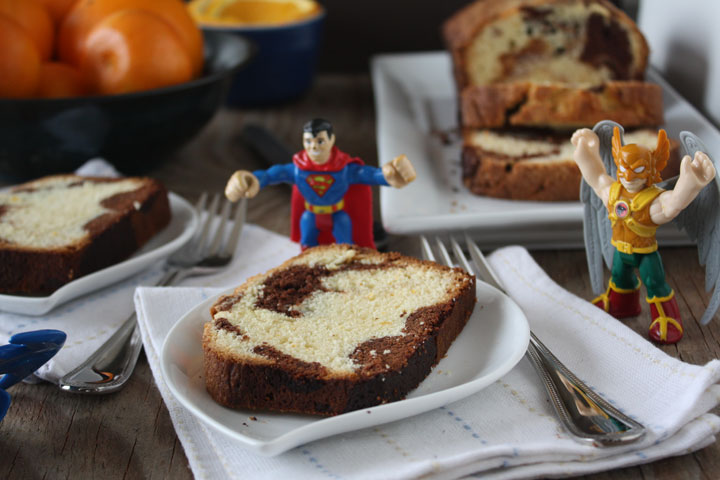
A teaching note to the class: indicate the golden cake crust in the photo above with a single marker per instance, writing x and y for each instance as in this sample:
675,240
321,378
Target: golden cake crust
630,103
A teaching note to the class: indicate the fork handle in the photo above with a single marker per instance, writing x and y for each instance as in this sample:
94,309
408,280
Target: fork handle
110,366
580,409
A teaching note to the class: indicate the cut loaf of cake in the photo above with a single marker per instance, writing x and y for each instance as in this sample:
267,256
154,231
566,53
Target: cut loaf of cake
576,42
58,228
630,103
550,66
335,329
530,166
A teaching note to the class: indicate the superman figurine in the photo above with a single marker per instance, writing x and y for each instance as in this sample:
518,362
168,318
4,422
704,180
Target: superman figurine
331,198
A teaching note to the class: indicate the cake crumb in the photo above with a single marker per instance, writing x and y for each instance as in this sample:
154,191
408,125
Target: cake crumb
253,418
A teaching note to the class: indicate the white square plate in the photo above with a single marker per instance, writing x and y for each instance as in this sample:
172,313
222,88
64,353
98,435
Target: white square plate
416,107
493,341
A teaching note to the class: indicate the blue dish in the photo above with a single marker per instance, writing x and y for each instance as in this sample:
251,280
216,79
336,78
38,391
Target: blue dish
284,66
133,131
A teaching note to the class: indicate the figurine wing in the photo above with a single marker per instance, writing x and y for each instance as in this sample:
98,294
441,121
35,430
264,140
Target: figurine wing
596,225
701,221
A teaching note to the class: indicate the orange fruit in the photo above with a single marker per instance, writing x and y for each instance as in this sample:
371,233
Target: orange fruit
252,12
59,80
34,18
133,50
85,14
58,8
19,61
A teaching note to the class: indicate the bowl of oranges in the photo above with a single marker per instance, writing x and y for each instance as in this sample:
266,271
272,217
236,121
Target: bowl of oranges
127,80
287,35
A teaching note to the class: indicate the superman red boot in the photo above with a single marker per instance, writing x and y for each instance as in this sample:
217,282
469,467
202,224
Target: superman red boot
666,326
619,302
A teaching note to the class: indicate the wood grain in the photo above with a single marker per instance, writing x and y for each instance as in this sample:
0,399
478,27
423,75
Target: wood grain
51,434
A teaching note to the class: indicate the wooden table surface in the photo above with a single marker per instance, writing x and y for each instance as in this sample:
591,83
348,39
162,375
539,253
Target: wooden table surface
51,434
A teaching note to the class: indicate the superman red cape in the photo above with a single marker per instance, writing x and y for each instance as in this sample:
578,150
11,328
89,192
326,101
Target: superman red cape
358,202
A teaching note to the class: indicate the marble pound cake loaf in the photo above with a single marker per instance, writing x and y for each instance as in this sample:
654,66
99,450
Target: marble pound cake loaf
573,42
59,228
335,329
547,67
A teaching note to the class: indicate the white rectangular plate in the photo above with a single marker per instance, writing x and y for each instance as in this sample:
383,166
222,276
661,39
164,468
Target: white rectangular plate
416,107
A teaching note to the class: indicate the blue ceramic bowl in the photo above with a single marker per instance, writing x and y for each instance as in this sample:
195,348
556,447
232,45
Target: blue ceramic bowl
133,131
284,66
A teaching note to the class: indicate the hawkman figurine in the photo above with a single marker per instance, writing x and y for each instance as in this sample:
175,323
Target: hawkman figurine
331,198
636,207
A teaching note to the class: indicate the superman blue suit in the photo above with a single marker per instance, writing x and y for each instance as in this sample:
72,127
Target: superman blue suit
330,201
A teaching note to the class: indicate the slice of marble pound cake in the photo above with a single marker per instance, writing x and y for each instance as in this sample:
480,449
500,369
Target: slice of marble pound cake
335,329
61,227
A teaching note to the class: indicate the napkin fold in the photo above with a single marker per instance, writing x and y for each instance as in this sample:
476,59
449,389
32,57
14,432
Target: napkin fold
505,431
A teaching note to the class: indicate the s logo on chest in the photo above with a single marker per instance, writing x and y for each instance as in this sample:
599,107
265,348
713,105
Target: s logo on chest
622,209
320,183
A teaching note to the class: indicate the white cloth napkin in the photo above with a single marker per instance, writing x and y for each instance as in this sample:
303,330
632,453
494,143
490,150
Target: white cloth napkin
507,430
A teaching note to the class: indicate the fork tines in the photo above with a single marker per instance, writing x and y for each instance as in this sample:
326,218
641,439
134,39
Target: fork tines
478,266
214,227
445,257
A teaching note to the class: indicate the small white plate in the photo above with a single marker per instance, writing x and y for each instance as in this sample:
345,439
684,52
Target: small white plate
493,341
416,107
181,227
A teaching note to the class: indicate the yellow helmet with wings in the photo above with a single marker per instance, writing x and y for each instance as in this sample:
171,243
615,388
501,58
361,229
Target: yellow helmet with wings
635,161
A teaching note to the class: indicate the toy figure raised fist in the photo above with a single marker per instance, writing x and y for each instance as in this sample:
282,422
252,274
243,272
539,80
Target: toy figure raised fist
636,207
331,199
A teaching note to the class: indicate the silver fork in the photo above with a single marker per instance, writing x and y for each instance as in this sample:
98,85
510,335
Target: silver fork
585,414
110,366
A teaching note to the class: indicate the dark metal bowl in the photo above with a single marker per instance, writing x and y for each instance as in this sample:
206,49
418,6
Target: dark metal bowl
132,131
